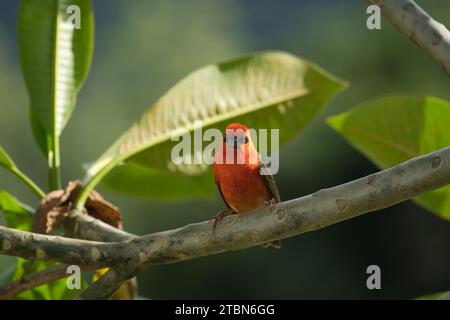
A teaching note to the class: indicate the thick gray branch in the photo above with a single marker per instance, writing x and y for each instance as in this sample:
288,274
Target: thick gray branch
308,213
429,34
65,250
109,283
235,232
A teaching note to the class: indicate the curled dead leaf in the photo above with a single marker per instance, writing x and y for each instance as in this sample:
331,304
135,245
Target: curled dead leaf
55,206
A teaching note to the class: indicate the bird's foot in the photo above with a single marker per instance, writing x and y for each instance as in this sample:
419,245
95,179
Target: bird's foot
222,214
270,203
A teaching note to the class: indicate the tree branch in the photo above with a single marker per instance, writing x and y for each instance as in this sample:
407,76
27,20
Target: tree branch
34,280
308,213
64,250
235,232
427,33
86,227
109,283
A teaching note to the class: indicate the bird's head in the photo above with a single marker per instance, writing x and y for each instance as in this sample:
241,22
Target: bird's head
237,146
236,136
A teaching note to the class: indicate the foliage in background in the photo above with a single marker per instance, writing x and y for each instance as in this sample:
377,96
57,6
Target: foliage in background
393,129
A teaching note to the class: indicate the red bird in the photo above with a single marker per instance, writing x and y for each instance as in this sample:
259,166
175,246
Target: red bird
237,173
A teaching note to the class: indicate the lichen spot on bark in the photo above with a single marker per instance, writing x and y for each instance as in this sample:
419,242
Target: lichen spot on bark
435,162
40,254
6,245
342,204
204,239
142,257
281,215
95,254
232,219
371,179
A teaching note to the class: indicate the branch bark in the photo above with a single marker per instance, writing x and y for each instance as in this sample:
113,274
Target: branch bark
83,226
235,232
427,33
109,283
64,250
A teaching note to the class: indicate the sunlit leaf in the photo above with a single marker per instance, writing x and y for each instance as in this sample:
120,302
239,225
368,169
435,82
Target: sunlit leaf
55,58
393,129
264,90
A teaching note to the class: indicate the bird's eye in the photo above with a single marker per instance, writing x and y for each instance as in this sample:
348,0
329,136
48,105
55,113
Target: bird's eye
246,139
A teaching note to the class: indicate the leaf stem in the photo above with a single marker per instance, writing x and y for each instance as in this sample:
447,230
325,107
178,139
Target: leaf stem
54,163
91,181
30,183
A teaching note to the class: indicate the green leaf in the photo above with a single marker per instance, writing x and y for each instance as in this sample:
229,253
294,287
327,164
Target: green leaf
56,45
434,296
146,182
55,290
5,160
392,129
24,267
6,275
17,215
40,135
55,57
264,90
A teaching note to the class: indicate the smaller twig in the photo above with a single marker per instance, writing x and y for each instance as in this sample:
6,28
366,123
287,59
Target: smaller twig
108,284
28,182
86,227
34,280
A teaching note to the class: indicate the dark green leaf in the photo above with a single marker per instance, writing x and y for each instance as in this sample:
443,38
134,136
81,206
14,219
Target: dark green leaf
393,129
142,181
434,296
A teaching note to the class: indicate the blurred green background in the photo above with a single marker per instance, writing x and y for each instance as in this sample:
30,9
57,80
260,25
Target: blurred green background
144,47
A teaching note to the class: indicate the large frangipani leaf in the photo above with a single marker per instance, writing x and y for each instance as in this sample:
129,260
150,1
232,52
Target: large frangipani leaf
55,56
141,181
393,129
263,90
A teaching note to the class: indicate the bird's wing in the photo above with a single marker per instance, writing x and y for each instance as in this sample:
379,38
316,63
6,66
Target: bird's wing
221,194
269,181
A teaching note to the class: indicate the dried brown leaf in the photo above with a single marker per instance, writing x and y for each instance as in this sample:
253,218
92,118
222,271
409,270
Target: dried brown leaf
55,206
